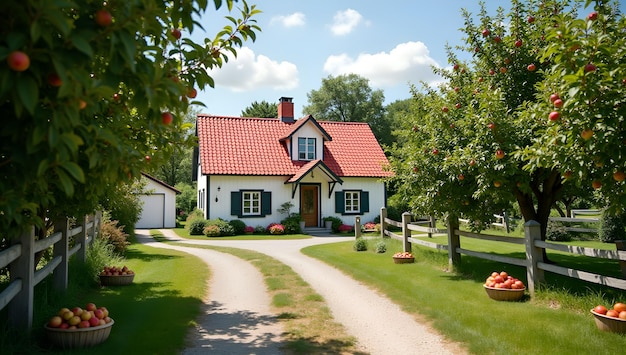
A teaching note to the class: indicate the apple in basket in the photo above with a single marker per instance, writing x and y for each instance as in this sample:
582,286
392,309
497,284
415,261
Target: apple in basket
90,316
116,271
504,280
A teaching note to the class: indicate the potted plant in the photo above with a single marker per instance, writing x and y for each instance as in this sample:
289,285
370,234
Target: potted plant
328,222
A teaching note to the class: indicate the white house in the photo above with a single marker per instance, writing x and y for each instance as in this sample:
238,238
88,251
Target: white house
246,168
159,204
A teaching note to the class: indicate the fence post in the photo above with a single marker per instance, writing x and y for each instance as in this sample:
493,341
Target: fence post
23,268
406,232
621,245
81,238
383,215
534,255
432,223
357,227
506,221
454,242
61,248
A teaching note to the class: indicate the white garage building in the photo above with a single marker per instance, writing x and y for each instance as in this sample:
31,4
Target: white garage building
159,204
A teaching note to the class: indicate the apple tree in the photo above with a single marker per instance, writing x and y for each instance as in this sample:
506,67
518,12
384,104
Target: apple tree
476,145
92,93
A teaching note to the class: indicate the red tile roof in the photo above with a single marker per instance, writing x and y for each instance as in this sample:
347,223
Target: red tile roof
253,146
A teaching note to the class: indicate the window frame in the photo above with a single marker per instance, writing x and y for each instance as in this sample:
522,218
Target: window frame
349,197
253,195
310,148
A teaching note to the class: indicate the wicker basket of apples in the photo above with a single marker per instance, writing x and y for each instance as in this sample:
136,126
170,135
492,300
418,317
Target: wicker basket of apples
611,320
501,286
79,328
115,276
403,258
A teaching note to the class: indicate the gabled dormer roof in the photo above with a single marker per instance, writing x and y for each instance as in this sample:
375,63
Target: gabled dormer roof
301,122
254,146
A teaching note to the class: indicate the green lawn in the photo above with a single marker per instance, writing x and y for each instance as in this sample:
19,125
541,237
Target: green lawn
458,307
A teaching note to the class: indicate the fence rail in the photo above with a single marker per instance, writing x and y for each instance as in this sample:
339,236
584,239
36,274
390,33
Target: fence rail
533,262
18,296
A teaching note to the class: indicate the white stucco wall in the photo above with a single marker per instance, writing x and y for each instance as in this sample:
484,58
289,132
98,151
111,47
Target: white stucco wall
220,187
159,206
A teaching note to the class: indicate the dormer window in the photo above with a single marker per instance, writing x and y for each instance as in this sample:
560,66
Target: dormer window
306,148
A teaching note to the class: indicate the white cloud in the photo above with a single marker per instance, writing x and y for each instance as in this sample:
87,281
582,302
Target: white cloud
407,62
345,21
251,72
296,19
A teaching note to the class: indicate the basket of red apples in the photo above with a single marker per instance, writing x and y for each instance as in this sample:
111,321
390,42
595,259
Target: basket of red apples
79,328
501,286
611,320
115,276
403,258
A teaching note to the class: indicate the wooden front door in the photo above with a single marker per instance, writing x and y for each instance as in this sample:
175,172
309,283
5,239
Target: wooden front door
309,204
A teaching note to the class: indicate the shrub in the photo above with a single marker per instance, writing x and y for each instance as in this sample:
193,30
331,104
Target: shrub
292,224
557,232
345,228
611,228
238,226
360,244
196,226
113,234
248,230
381,247
225,227
100,253
336,223
212,231
260,229
276,228
196,213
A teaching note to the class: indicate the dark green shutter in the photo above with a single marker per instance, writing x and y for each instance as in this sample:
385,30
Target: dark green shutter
365,201
340,205
266,203
235,203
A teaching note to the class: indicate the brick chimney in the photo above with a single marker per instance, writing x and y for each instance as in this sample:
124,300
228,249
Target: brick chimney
285,110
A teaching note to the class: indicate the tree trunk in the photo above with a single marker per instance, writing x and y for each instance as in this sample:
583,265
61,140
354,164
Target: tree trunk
546,187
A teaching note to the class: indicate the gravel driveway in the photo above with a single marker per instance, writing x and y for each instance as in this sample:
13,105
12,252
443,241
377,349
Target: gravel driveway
238,320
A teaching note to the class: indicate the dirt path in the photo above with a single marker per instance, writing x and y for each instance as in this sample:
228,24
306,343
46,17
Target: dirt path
380,326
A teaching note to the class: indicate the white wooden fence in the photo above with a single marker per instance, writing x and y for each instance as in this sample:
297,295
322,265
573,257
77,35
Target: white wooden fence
18,296
534,263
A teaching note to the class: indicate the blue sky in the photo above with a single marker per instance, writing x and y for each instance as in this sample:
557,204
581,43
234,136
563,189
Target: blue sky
393,44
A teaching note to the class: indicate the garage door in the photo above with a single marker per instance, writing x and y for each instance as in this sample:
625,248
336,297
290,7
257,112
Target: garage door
153,214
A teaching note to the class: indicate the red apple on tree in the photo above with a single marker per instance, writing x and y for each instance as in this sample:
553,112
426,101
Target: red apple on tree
531,19
103,18
456,67
497,183
586,134
518,43
491,125
457,105
590,68
167,118
444,109
619,175
497,39
486,32
176,33
532,67
554,116
18,61
503,70
54,80
592,16
192,93
596,184
558,103
554,97
500,154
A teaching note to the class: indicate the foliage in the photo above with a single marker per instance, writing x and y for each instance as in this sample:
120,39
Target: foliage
360,244
261,109
114,234
276,228
225,227
123,203
187,200
239,226
260,229
248,229
557,232
483,141
336,223
345,228
100,253
87,113
195,213
349,98
212,231
285,208
292,224
612,227
196,226
380,247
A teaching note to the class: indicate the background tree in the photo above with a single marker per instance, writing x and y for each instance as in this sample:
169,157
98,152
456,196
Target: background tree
349,98
483,140
261,109
92,94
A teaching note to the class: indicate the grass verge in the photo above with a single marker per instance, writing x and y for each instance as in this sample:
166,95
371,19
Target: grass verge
458,307
152,315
